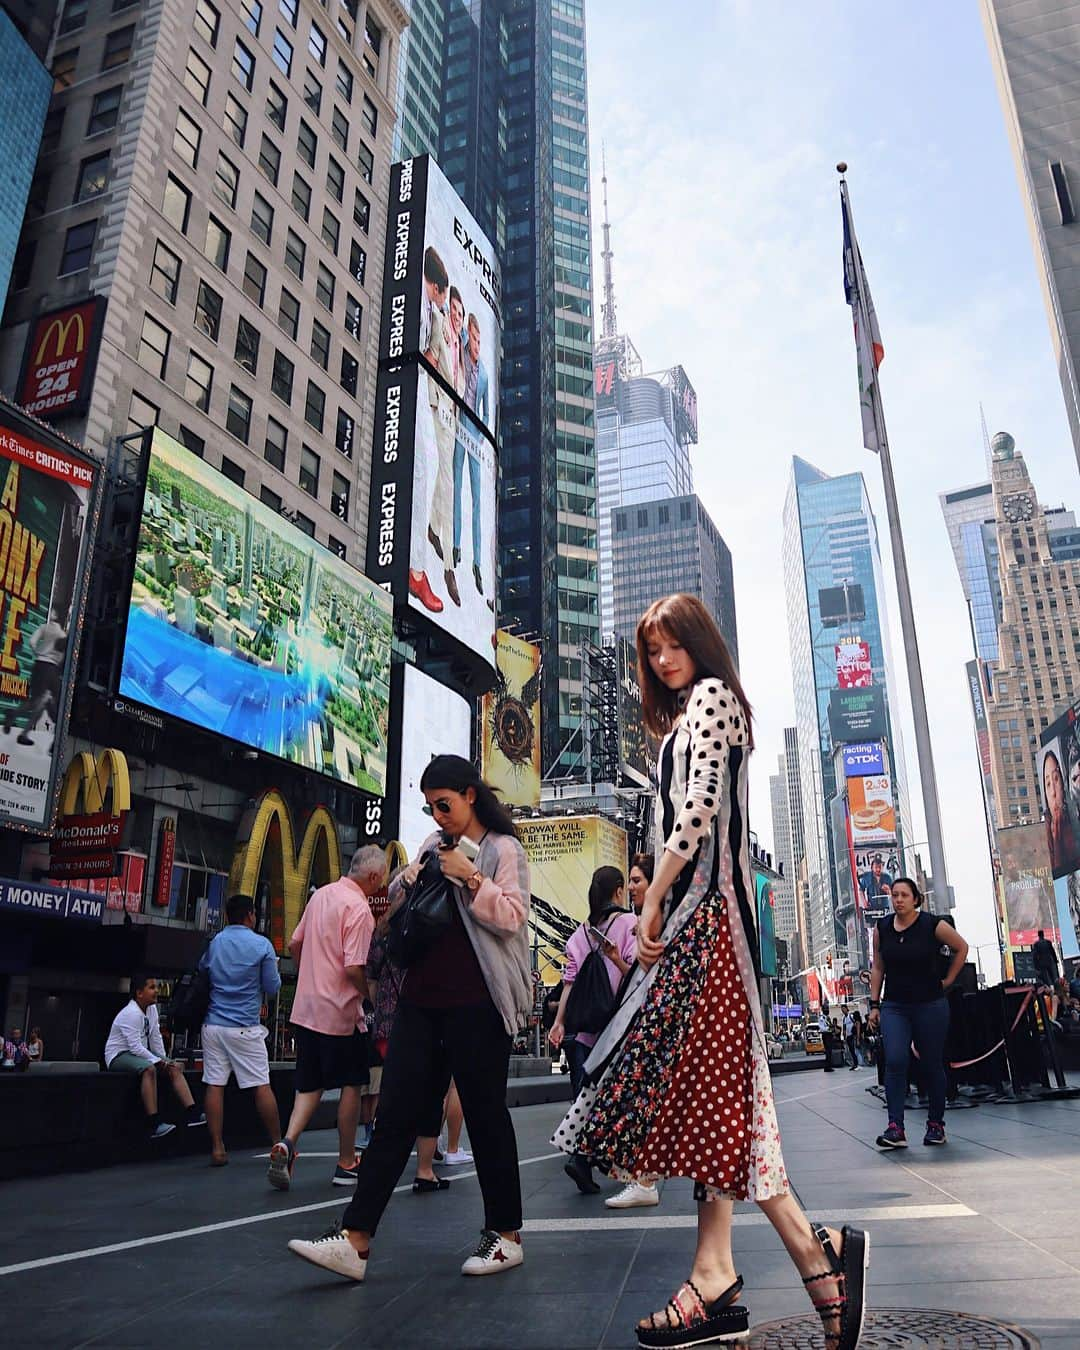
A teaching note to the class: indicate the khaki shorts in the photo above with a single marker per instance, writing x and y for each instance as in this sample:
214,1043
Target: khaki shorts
374,1082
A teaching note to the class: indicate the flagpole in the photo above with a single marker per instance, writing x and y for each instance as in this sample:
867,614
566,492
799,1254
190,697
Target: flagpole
923,745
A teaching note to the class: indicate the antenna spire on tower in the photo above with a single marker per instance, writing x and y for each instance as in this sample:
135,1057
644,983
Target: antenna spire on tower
609,326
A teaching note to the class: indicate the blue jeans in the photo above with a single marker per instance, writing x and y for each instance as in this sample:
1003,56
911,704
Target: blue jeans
925,1024
576,1055
460,456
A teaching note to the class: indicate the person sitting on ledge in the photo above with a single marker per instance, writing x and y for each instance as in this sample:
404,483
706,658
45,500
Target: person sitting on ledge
134,1045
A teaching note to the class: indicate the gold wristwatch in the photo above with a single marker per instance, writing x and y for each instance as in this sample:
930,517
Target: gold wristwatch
474,882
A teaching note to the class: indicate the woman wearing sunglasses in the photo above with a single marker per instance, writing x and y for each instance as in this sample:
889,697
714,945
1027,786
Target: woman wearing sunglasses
460,1005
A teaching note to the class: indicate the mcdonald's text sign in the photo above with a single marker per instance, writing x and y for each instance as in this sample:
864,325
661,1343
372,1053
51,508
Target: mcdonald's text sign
58,365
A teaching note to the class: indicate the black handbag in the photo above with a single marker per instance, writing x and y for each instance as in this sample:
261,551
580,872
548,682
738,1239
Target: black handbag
425,916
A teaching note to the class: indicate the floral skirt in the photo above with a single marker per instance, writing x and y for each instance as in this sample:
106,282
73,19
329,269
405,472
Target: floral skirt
688,1093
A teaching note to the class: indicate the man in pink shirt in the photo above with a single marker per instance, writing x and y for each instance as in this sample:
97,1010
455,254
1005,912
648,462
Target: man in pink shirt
330,945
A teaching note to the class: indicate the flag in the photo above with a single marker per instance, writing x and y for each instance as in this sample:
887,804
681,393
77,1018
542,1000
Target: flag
869,350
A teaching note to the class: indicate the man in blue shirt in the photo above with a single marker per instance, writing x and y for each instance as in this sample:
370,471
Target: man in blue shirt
243,976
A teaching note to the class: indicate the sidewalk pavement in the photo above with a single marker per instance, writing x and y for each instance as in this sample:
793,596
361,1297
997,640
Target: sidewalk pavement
177,1254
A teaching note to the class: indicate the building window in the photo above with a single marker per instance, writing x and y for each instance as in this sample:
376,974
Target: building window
350,373
276,443
176,204
238,414
295,251
289,313
187,138
685,511
335,179
271,499
236,119
309,470
663,516
354,315
253,12
226,180
339,496
283,53
307,144
304,523
196,444
358,261
346,430
74,16
324,287
301,197
335,545
93,177
314,406
365,162
331,230
208,311
218,240
369,115
243,65
290,9
118,6
254,284
281,382
312,93
344,81
207,21
339,129
78,245
320,344
199,382
153,351
277,106
317,44
104,111
361,211
50,132
141,414
229,467
269,159
63,69
372,35
197,77
165,273
262,219
118,48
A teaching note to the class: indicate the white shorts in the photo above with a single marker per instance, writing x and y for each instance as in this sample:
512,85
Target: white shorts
239,1050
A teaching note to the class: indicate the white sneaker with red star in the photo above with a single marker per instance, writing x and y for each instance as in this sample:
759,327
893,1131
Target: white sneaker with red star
493,1254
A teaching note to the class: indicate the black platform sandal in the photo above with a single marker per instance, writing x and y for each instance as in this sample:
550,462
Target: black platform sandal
424,1185
689,1320
849,1271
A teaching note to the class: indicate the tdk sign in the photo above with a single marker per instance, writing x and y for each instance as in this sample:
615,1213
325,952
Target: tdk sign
863,760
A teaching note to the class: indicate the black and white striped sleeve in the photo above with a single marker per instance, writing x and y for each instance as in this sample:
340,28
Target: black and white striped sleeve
716,722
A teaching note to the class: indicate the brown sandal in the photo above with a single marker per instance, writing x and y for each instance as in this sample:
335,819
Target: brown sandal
688,1320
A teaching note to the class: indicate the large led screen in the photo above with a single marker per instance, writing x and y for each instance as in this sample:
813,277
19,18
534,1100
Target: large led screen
242,624
1059,783
435,721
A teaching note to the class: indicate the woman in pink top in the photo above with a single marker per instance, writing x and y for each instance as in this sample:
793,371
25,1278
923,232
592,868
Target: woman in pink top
607,916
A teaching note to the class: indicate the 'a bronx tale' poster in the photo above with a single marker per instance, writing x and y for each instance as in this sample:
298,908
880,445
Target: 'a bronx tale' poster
46,498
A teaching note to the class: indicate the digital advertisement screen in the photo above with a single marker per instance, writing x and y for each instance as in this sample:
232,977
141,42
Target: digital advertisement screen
1028,887
871,809
242,624
510,714
1059,787
853,667
634,757
435,721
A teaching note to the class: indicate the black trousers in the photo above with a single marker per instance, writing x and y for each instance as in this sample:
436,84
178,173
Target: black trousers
425,1045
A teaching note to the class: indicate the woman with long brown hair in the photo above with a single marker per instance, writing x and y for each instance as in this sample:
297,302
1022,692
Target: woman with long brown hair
678,1084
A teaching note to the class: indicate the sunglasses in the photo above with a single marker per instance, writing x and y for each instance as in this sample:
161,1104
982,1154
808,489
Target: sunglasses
441,804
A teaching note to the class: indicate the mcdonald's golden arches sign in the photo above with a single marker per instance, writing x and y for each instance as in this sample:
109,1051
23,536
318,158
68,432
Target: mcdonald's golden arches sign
58,365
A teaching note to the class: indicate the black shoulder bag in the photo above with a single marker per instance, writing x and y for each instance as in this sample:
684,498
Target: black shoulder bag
191,997
425,916
591,1000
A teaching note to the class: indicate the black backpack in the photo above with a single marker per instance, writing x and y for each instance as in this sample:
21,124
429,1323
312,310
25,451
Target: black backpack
190,1001
592,1000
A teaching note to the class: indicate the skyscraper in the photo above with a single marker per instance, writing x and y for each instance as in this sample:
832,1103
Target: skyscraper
1035,51
512,138
661,547
830,544
783,889
24,100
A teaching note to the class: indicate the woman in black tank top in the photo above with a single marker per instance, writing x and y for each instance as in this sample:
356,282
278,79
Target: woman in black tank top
914,1010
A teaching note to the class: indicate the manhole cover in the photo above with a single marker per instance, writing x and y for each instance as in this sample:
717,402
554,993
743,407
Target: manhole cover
898,1329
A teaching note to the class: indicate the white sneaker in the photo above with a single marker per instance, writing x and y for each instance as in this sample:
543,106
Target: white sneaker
634,1196
457,1157
332,1251
493,1254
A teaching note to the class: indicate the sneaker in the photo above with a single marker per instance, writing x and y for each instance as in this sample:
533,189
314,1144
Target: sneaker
161,1129
935,1133
346,1176
493,1254
199,1118
438,1156
282,1161
894,1137
363,1137
333,1251
457,1156
633,1196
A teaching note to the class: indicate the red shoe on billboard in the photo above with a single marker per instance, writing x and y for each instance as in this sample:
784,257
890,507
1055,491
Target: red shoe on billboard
421,588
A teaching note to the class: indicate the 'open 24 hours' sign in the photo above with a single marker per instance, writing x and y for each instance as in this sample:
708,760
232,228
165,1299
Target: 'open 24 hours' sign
58,364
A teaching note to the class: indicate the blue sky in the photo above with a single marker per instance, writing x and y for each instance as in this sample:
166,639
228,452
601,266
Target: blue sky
723,123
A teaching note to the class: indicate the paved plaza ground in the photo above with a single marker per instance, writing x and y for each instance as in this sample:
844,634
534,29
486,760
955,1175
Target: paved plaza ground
178,1254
